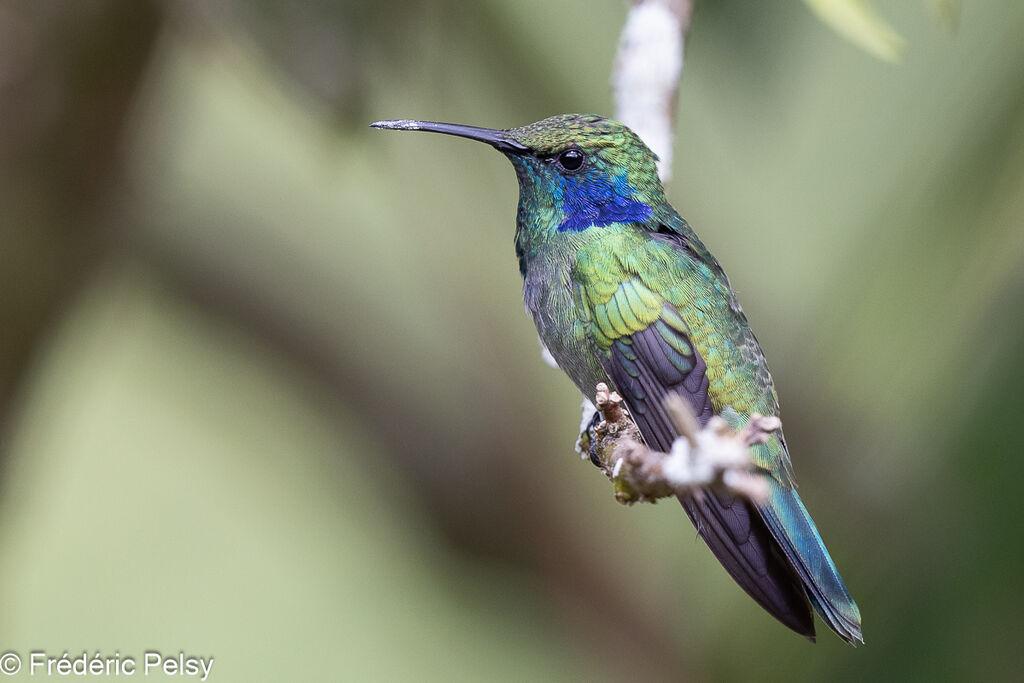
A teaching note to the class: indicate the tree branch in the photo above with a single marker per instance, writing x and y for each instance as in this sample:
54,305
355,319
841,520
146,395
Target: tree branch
647,71
714,455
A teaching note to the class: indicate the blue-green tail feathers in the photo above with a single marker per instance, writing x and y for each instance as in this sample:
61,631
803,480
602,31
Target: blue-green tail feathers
796,534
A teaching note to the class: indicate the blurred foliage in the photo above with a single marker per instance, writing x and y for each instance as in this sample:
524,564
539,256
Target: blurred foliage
859,23
269,393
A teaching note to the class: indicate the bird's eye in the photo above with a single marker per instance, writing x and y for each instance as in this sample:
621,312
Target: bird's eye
571,159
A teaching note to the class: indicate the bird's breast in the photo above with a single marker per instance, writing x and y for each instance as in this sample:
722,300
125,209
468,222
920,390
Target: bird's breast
548,297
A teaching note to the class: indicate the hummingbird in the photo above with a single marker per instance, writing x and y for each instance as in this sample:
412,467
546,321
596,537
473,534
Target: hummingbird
622,291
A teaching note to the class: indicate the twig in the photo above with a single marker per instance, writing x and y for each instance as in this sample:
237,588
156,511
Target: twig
714,455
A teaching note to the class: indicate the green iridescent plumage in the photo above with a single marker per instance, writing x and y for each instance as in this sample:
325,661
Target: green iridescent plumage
622,291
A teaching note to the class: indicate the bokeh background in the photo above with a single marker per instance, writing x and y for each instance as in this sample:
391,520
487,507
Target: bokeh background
267,391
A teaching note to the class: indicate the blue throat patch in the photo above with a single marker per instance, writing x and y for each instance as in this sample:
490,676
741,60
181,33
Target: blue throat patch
588,204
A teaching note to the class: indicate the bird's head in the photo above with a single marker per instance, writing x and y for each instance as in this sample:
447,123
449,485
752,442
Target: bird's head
575,171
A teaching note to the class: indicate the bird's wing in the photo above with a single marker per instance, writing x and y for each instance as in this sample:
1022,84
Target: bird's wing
648,351
783,514
754,391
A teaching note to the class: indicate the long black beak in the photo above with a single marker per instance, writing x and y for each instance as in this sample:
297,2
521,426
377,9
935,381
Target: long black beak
494,138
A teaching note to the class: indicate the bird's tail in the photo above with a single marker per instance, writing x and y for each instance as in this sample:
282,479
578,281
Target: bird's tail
796,534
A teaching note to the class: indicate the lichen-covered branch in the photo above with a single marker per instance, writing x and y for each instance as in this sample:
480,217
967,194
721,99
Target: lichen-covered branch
714,455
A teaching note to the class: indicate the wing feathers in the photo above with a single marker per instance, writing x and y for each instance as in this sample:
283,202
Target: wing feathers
645,367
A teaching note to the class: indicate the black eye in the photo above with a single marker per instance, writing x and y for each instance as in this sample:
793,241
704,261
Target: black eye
571,159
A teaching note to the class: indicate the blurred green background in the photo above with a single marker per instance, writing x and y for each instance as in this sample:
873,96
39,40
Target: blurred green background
267,391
